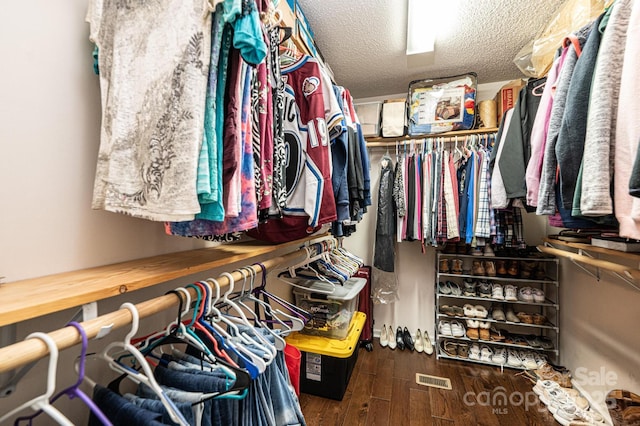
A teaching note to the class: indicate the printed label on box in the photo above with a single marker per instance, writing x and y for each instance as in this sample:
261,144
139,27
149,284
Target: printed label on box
433,106
314,367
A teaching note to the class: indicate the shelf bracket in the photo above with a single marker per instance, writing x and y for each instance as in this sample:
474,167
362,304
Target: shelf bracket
616,270
627,280
581,252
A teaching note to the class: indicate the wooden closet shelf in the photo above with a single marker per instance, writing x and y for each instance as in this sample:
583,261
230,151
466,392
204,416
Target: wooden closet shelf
31,298
381,141
629,274
589,248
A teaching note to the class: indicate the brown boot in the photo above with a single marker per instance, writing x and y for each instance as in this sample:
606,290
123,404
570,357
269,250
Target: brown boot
512,269
477,268
444,266
489,268
527,268
501,269
456,266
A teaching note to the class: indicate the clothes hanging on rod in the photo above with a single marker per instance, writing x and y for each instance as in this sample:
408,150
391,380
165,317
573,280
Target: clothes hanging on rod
579,162
198,387
256,161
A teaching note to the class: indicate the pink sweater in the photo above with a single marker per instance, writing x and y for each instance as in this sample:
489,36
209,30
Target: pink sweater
539,132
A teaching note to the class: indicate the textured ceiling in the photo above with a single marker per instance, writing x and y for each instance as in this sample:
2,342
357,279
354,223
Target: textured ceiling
364,41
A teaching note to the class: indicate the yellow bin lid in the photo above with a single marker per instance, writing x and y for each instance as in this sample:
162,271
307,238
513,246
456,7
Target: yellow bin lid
331,347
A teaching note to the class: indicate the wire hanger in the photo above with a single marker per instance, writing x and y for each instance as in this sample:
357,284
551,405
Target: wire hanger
42,402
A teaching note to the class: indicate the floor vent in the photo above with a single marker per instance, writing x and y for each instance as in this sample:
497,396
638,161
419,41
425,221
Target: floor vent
433,381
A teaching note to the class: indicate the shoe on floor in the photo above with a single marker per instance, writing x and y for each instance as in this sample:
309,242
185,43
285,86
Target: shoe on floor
407,339
390,338
624,407
399,339
426,342
384,339
419,346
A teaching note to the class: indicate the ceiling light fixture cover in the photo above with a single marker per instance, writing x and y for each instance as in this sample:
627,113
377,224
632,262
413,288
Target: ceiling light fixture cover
421,32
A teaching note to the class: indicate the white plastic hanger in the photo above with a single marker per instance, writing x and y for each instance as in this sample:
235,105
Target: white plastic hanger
239,338
279,341
42,402
147,378
266,345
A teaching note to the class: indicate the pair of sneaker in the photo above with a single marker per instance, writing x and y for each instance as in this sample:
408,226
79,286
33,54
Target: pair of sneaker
451,329
480,353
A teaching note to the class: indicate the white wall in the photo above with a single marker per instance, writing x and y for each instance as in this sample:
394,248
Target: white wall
414,270
599,340
49,137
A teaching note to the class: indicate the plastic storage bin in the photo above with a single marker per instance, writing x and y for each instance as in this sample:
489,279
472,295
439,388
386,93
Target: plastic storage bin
332,313
327,364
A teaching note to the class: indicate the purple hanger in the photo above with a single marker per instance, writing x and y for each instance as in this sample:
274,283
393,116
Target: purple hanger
296,311
74,390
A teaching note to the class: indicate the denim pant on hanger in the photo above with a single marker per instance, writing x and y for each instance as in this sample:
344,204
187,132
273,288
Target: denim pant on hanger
120,411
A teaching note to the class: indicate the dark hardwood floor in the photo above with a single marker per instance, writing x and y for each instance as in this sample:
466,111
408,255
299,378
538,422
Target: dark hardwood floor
383,391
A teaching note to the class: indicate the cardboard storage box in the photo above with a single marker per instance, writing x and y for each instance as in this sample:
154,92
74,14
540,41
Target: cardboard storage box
332,313
508,95
327,364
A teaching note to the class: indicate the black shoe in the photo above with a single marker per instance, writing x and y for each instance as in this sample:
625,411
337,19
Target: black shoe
408,340
399,339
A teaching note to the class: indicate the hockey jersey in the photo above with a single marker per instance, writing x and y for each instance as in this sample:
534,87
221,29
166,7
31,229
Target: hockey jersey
311,112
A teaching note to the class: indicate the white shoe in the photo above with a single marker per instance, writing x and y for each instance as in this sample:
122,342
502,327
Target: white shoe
426,342
542,385
474,352
528,360
417,345
499,356
445,328
391,338
513,358
457,329
510,293
384,338
486,353
497,292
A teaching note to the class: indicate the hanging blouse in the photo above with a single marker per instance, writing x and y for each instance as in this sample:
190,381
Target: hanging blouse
153,95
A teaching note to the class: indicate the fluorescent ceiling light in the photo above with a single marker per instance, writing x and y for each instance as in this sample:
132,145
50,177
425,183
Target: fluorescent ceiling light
421,31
